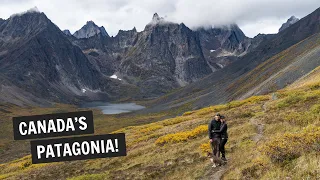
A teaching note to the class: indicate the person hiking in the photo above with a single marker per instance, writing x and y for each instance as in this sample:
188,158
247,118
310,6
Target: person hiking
215,137
224,137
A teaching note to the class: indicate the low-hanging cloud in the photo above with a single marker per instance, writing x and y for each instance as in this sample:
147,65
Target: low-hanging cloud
253,16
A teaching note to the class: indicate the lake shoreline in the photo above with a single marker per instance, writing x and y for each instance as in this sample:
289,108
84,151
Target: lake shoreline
113,108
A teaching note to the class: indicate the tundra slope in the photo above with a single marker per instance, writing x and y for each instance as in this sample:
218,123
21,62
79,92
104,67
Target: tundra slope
176,148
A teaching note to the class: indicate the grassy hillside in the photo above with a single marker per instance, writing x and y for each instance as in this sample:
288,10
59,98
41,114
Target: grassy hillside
275,136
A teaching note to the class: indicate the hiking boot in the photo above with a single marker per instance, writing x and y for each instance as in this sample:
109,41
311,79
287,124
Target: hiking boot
223,159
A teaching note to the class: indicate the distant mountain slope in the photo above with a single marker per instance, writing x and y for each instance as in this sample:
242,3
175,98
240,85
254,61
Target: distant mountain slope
311,79
282,69
11,93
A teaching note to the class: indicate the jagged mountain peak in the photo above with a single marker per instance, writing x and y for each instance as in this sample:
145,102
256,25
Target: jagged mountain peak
90,23
292,18
29,11
289,22
67,32
33,12
156,19
24,23
133,30
103,31
90,29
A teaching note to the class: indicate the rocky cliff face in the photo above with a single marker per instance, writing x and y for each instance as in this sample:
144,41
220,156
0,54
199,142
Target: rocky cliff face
289,22
106,52
90,29
223,45
164,56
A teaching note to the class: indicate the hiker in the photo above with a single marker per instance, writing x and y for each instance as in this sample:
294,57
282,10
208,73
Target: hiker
224,137
215,137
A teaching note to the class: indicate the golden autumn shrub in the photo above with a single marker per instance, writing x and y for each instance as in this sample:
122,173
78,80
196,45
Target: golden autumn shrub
175,120
316,109
289,146
182,136
211,109
205,148
142,139
289,100
251,100
314,86
149,128
300,118
188,113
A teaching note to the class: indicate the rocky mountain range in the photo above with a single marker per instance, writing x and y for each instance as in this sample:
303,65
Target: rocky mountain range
45,63
165,55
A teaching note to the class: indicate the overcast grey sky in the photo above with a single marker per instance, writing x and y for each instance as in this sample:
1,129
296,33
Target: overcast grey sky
253,16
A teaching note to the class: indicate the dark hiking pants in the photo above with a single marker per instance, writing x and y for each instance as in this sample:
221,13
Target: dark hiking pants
222,148
215,146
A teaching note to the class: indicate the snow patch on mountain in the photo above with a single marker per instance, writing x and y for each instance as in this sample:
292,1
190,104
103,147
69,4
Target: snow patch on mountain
115,77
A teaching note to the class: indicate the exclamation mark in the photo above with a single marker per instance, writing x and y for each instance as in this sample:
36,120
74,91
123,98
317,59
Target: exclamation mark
116,144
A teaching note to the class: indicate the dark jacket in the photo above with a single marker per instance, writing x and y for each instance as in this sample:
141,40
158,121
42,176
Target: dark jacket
214,126
223,130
